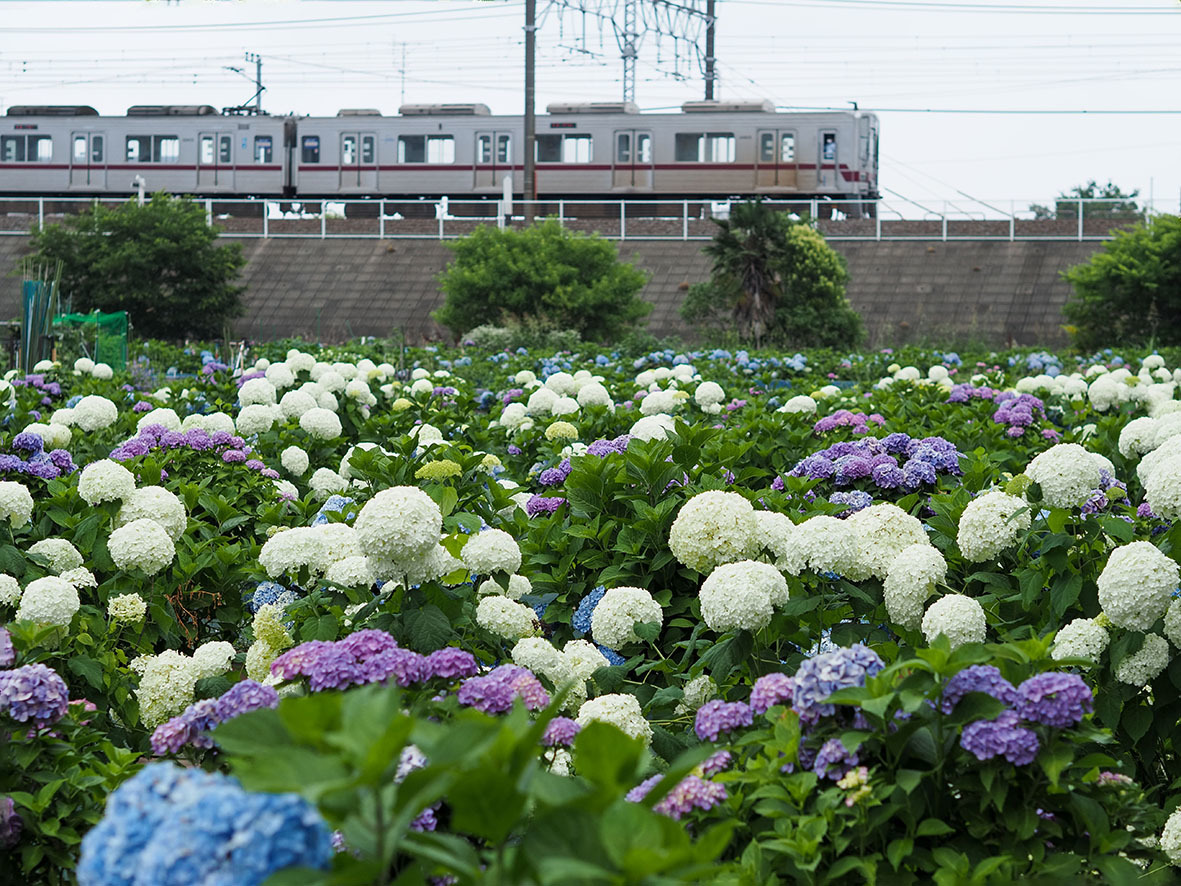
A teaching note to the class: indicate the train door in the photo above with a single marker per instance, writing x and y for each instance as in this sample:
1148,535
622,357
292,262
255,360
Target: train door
358,161
775,164
828,170
632,166
88,160
493,159
215,161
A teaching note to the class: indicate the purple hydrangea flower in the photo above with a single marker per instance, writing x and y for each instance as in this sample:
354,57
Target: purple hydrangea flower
716,763
11,463
233,456
854,500
717,716
540,505
7,652
368,642
977,678
833,760
822,675
1003,736
248,695
692,792
10,823
28,441
451,663
494,692
560,732
1054,699
403,665
33,694
771,690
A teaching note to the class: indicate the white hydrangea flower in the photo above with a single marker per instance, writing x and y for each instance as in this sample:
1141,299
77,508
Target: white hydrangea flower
165,687
659,403
1173,622
1142,667
562,384
564,406
255,419
1066,473
741,596
268,626
294,461
63,416
539,655
541,402
653,427
60,553
322,424
1170,838
800,403
16,504
327,400
155,503
286,489
426,434
352,572
990,524
213,658
506,618
1162,487
614,619
127,609
280,375
518,587
335,542
959,618
141,544
102,372
299,361
257,390
594,394
821,544
258,660
295,403
93,413
773,533
492,550
713,528
436,563
1135,585
697,692
84,365
910,580
49,601
399,524
883,531
525,378
326,482
54,436
10,590
105,480
709,396
289,550
621,711
165,417
346,463
1082,638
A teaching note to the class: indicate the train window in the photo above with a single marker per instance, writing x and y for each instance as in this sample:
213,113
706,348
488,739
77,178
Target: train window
787,147
12,148
576,149
643,148
484,149
368,149
207,150
310,149
828,146
263,149
440,149
719,147
766,147
139,148
504,149
688,147
623,147
40,148
165,149
225,150
96,149
80,148
411,149
348,150
549,149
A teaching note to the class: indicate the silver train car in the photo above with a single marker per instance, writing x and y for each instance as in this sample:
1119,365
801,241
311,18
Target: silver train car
710,149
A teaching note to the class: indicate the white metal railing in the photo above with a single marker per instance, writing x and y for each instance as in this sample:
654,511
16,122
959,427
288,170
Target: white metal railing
885,219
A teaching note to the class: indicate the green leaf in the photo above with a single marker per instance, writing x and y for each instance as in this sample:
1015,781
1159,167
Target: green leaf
647,630
485,803
211,687
1065,592
1136,721
605,756
89,669
898,850
428,628
933,827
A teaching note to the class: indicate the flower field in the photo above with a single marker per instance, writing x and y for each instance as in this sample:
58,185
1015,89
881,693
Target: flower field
432,617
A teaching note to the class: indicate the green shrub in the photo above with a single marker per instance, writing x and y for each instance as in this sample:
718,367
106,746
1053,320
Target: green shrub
543,273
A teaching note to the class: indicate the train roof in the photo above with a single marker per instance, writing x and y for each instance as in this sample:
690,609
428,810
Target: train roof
171,111
52,111
463,109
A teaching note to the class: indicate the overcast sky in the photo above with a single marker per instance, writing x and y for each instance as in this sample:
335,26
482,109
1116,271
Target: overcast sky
1022,58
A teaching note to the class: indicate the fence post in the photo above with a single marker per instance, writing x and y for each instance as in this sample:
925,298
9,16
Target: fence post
1080,219
40,212
877,217
622,219
441,214
812,209
1012,221
562,213
323,219
381,220
209,213
266,219
944,217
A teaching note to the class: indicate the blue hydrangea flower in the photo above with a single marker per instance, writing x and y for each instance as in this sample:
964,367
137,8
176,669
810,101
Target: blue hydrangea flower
586,607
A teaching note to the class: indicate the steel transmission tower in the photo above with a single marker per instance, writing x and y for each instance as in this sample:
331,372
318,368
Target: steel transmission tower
685,24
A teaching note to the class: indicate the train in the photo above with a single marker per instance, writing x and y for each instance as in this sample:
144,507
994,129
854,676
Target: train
596,150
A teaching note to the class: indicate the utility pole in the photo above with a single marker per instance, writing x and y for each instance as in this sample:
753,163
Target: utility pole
530,115
257,59
628,51
710,23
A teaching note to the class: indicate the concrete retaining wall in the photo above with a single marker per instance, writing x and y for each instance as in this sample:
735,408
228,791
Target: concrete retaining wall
991,293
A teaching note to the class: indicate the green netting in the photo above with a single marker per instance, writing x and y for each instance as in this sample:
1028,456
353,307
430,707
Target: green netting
110,334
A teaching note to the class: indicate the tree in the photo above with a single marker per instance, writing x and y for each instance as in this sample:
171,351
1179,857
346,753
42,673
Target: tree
776,280
158,262
1066,206
543,273
1130,293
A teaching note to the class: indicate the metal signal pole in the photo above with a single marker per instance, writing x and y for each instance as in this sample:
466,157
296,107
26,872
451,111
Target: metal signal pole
530,190
710,75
